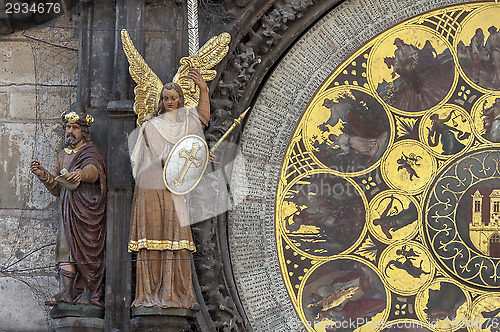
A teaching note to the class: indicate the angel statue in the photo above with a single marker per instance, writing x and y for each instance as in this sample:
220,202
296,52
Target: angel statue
160,231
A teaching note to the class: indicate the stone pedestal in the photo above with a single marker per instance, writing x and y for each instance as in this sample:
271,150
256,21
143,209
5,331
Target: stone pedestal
157,319
77,318
63,310
78,324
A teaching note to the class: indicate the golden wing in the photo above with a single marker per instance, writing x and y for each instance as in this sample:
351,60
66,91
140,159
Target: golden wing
149,86
208,57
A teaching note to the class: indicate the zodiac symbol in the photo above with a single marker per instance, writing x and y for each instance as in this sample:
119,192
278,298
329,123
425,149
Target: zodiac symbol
407,265
398,219
490,317
407,164
441,132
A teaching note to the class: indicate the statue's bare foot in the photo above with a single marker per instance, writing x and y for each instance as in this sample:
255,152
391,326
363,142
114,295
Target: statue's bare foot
58,298
51,301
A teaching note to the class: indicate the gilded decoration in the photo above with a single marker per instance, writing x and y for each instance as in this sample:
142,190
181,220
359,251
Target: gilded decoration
388,204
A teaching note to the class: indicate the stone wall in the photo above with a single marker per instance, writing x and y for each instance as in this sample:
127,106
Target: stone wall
29,128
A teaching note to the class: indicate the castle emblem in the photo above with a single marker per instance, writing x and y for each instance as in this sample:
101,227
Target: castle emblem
484,228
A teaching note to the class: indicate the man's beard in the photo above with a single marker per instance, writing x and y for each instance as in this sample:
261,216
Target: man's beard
72,141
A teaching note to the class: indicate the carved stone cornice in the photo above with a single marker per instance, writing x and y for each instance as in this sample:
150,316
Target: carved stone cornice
264,32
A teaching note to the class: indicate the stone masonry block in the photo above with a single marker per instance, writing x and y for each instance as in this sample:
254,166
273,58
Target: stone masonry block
27,313
19,143
3,104
16,63
19,61
22,105
52,101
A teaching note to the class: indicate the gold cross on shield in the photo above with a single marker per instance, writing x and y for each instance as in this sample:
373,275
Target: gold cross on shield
191,159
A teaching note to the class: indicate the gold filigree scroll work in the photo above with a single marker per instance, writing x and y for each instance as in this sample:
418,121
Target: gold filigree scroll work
147,91
368,250
191,159
451,221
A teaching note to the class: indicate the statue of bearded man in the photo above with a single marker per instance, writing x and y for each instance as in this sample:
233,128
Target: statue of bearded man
80,182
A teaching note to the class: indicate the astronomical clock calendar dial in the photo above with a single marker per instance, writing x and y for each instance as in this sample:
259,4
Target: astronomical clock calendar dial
388,201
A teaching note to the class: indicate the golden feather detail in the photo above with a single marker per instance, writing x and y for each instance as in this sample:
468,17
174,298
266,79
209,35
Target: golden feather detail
210,54
148,89
149,86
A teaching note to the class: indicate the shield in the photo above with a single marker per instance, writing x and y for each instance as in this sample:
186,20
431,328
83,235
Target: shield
186,164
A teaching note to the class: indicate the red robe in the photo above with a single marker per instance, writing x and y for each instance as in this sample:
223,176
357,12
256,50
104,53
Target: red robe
84,219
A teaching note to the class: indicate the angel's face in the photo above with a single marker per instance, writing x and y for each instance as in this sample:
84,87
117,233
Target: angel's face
170,100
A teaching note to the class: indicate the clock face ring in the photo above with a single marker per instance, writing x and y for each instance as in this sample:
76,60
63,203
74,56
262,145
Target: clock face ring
350,124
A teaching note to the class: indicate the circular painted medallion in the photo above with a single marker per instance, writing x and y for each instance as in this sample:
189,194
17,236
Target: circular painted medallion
486,118
347,130
323,214
447,131
409,166
393,216
478,47
406,266
343,294
412,69
485,314
386,199
443,306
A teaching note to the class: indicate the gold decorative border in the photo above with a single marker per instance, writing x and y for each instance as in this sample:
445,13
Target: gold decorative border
161,245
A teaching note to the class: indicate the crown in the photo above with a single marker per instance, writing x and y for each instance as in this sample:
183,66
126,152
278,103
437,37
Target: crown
82,119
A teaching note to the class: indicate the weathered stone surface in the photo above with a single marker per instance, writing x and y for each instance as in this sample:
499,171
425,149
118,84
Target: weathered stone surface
20,308
51,102
22,104
16,62
19,143
78,324
156,311
3,104
63,310
159,323
19,61
28,242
